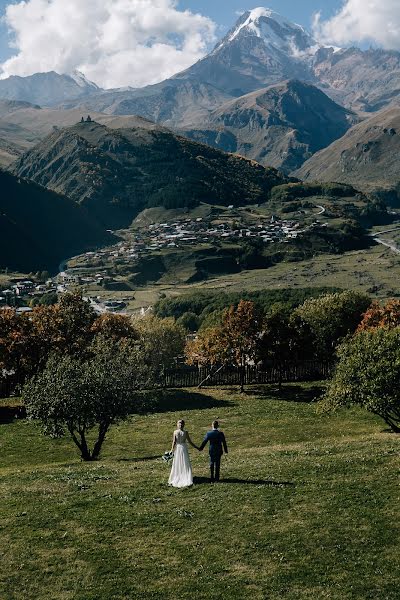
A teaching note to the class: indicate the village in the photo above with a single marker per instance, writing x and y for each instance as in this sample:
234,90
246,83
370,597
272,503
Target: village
191,232
95,270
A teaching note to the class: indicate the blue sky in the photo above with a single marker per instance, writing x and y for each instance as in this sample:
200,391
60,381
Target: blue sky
224,12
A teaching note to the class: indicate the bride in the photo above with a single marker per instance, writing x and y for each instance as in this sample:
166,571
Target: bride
181,471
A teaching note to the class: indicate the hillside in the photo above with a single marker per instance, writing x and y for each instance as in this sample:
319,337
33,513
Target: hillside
367,156
306,503
364,80
280,126
117,173
22,125
174,102
40,228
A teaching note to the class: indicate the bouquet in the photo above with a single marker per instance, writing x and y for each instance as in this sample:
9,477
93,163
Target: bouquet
167,456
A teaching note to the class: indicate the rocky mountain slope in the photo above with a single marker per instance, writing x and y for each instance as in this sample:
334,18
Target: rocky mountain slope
367,156
281,126
360,80
174,102
40,228
46,89
115,174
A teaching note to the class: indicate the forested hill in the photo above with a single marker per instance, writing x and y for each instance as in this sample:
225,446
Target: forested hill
40,228
117,173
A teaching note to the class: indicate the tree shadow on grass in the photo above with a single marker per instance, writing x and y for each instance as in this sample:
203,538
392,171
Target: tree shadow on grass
8,414
289,393
235,480
180,400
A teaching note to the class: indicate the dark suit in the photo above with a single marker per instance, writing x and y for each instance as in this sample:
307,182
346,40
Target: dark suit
217,447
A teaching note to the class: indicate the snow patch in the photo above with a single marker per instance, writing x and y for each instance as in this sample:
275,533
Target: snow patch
253,23
81,80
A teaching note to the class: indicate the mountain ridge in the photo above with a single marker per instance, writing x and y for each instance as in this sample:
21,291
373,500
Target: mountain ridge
366,156
280,126
117,173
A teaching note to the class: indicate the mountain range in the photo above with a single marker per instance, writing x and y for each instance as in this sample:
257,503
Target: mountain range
262,49
281,126
267,103
268,91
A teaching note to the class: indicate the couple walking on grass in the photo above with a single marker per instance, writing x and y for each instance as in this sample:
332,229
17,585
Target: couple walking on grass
181,471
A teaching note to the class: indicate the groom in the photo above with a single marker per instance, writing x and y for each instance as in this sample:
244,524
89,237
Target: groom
217,448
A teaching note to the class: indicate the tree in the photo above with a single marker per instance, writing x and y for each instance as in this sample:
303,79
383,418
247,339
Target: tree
189,321
78,395
368,374
234,342
208,349
161,340
285,339
331,318
387,316
115,327
75,320
17,354
27,340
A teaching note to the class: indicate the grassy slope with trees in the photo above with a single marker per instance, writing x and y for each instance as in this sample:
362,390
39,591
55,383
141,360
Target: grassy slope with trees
117,173
310,503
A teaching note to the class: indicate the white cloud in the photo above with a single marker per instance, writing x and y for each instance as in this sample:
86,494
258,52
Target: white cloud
113,42
358,21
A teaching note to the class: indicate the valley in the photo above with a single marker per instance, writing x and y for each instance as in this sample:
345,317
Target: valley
218,176
213,247
219,207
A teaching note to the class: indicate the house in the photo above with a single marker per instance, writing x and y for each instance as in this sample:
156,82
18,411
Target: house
23,288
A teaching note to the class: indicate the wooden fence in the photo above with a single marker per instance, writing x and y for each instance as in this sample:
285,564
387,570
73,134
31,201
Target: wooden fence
7,387
273,373
193,376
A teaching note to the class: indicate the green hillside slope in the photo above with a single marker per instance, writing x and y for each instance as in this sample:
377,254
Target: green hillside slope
117,173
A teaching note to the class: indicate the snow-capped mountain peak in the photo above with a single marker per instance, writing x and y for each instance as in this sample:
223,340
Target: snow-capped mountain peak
253,21
275,31
81,80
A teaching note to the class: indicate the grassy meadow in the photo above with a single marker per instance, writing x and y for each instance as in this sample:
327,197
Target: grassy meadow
308,509
375,270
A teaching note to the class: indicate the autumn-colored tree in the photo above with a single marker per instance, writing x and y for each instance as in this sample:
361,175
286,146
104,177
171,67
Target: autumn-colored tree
114,327
234,342
75,320
16,345
27,340
377,316
208,349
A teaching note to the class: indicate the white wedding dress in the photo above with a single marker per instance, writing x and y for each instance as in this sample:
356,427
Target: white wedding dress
181,471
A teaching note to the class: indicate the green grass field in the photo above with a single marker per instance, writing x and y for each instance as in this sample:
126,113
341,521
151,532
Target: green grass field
308,509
